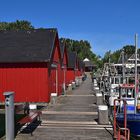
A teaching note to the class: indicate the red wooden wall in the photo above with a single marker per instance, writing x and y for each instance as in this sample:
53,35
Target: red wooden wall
31,82
52,81
60,79
28,81
70,76
53,73
62,73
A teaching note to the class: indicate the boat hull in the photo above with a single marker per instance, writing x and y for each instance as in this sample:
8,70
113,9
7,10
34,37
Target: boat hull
133,123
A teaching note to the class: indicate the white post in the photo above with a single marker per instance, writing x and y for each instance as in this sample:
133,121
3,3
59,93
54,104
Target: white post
136,45
64,79
56,80
9,115
123,64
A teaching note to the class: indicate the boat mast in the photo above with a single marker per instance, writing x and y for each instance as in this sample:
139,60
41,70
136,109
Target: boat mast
136,46
123,64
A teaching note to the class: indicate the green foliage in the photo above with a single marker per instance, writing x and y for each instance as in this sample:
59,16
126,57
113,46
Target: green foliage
3,25
114,57
106,56
2,125
83,50
17,25
129,50
2,122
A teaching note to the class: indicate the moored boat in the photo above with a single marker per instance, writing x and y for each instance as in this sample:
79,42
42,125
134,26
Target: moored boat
129,95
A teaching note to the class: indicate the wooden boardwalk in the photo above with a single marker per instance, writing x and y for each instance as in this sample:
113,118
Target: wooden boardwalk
73,117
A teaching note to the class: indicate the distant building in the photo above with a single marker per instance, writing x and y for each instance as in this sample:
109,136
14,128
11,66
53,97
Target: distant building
64,64
71,69
89,66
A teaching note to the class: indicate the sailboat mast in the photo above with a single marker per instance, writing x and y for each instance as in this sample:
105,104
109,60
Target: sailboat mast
136,47
123,64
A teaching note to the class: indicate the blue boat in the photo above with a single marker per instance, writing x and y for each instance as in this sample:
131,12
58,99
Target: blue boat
133,122
132,114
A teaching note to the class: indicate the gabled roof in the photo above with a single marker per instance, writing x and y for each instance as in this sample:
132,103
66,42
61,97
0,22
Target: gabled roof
88,64
81,65
27,46
132,57
86,59
72,60
62,48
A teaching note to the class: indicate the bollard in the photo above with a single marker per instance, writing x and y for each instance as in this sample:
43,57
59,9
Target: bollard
77,82
96,88
73,85
53,98
9,115
95,84
103,114
99,99
63,89
94,81
69,87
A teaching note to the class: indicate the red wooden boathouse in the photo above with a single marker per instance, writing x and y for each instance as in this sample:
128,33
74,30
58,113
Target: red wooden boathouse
64,63
29,62
80,68
71,69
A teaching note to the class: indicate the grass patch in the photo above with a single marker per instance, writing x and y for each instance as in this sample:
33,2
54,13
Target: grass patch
2,122
2,125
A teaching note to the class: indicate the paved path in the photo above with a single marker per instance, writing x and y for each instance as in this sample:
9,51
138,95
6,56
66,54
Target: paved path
73,117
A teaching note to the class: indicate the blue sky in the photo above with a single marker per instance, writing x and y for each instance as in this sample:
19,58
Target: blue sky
106,24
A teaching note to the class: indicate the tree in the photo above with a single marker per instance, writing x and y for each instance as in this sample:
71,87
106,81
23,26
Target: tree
114,56
83,50
3,25
107,56
17,25
129,50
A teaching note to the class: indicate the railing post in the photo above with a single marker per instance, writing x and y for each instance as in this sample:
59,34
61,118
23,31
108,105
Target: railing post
115,119
128,136
125,119
118,136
